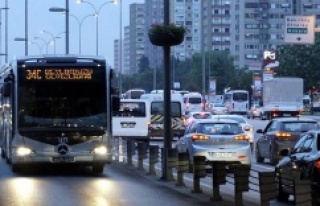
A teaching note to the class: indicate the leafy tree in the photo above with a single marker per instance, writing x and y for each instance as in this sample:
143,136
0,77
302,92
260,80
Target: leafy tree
301,61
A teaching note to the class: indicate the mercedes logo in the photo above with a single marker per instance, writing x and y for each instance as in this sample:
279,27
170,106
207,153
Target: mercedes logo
62,149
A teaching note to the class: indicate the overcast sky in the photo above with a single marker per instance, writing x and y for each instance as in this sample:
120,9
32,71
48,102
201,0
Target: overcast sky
40,18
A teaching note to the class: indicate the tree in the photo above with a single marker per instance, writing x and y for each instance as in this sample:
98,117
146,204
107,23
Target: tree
301,61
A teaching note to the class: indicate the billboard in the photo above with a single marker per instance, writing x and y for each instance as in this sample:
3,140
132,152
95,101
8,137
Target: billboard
212,86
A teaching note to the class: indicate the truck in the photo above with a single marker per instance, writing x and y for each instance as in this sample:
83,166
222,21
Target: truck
282,96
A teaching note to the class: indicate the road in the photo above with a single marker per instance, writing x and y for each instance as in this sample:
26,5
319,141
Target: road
119,185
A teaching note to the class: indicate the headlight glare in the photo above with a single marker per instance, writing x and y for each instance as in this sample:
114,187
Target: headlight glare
23,151
101,150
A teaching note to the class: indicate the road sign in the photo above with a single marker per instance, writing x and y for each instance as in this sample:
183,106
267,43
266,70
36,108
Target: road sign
299,29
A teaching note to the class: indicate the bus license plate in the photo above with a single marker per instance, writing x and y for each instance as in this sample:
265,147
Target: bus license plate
63,159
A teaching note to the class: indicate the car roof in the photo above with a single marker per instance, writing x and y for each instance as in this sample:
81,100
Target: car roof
227,115
295,119
215,121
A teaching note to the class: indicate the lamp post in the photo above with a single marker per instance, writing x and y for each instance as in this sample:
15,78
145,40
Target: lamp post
66,11
54,37
6,31
2,54
24,40
46,43
37,44
80,22
97,11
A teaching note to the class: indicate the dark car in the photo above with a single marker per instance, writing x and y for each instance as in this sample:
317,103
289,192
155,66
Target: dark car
303,160
280,133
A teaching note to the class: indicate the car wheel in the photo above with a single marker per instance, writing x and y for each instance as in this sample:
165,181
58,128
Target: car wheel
3,155
280,194
259,159
273,159
97,168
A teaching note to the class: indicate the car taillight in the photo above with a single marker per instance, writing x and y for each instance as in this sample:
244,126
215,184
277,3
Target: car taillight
282,134
199,137
317,165
242,137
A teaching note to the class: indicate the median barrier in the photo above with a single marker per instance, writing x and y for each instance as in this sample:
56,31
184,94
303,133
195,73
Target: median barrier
172,160
241,182
141,154
219,173
199,171
153,158
301,187
182,167
130,151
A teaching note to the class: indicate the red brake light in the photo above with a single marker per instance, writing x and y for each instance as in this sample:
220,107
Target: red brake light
317,165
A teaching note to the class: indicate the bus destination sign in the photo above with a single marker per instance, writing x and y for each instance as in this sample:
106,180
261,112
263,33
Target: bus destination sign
58,74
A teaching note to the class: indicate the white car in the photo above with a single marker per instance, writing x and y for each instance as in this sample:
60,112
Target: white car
218,108
216,140
247,127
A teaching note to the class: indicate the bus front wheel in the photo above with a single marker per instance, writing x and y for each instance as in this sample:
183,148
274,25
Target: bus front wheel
97,168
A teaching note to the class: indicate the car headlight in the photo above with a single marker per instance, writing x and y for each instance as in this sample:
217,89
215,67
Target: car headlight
101,150
23,151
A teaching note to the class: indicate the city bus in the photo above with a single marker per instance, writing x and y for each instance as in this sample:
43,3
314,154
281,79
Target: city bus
57,110
133,93
236,101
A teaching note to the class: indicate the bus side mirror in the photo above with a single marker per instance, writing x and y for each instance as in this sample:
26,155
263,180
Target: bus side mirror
7,87
115,101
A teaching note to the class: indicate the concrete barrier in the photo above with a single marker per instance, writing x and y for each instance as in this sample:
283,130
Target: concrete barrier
182,167
199,171
153,158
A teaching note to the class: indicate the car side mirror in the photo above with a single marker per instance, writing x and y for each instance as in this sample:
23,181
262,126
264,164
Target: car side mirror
259,131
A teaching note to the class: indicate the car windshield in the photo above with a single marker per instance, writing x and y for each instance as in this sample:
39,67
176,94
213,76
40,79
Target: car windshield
221,128
299,126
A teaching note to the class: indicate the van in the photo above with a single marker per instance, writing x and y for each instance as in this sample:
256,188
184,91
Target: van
132,119
193,102
156,102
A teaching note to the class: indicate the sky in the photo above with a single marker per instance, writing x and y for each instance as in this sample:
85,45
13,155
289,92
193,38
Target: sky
40,18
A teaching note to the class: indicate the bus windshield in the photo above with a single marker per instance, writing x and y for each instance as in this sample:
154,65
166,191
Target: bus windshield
56,104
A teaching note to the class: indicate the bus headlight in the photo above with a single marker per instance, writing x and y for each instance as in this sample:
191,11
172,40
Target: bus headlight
23,151
101,150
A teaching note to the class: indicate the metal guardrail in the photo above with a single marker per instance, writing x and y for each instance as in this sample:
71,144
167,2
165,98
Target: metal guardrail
243,177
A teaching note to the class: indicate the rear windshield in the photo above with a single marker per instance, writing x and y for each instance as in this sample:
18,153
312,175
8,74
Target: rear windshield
134,109
221,128
299,126
202,116
157,108
194,100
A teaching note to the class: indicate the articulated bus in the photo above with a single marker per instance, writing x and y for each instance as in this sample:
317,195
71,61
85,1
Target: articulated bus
236,101
57,110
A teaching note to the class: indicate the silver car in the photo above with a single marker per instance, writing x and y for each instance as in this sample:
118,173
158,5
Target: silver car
216,140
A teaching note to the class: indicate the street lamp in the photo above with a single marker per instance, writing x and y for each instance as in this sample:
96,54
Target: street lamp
66,11
37,44
80,26
46,43
97,11
24,40
54,37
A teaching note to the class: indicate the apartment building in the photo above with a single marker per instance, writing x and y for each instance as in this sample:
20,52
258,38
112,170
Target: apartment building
244,27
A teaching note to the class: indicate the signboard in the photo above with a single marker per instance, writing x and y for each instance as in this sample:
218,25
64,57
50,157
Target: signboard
299,29
255,66
212,86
